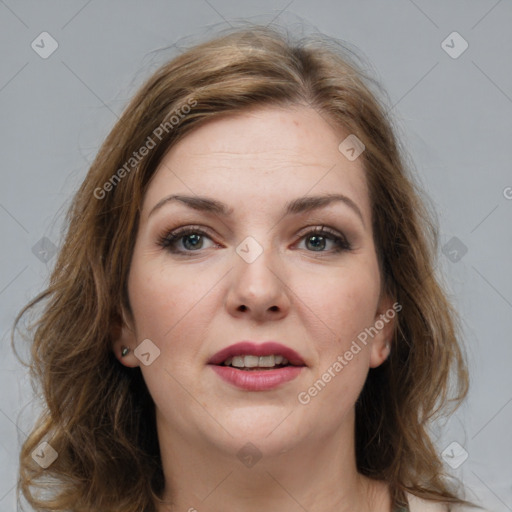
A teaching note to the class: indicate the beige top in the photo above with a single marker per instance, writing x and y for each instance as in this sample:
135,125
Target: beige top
420,505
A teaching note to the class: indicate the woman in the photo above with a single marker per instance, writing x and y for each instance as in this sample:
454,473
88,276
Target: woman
244,313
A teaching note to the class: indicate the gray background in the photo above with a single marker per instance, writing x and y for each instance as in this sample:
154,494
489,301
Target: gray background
454,115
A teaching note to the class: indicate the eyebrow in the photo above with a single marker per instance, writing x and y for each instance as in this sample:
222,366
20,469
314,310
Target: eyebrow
294,207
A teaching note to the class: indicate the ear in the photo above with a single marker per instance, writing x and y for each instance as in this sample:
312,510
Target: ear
122,335
383,330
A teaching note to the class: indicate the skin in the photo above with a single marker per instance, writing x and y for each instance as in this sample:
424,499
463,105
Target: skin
314,301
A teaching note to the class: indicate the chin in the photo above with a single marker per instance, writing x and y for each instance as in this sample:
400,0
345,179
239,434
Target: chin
267,427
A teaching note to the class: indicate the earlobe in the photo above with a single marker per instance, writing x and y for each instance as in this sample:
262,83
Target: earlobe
123,341
379,353
384,324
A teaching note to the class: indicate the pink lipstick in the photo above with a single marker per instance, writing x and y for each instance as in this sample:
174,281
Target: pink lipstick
257,367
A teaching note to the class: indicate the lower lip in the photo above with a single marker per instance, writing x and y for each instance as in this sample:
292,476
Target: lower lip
257,380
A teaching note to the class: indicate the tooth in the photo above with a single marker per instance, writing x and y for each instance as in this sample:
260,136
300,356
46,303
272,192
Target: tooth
266,361
251,361
238,361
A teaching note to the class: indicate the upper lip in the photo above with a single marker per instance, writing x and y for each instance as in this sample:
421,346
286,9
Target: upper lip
246,348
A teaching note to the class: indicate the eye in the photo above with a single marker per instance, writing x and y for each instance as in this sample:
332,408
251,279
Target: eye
318,239
191,237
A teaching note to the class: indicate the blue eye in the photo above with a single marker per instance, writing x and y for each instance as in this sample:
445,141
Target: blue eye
190,239
320,236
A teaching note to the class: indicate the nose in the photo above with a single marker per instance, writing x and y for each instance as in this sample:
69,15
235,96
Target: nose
258,289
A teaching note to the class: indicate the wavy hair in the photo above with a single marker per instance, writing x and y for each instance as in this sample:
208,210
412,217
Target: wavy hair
98,415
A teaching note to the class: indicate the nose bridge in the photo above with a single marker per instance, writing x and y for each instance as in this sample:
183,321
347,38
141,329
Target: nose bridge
256,283
254,263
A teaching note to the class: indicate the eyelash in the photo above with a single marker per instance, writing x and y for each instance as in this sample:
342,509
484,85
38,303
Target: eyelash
169,239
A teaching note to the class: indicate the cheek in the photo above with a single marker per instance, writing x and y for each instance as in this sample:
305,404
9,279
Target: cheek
152,304
168,307
161,294
173,307
347,307
345,302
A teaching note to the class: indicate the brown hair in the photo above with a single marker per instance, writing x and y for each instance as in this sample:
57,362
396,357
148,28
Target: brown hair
98,414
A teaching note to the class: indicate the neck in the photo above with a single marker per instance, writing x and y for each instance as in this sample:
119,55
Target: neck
318,475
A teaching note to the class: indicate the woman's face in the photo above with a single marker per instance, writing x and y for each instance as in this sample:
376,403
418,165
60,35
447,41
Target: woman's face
256,271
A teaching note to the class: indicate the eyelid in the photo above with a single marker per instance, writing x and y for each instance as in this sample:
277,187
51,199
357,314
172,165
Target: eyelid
320,227
177,233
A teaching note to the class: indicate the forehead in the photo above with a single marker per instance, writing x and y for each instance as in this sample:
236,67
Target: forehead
265,157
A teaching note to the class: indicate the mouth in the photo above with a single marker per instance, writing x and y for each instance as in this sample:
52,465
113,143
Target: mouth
254,367
247,355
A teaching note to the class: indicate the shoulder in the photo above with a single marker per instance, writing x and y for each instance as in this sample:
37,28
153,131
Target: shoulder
417,504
